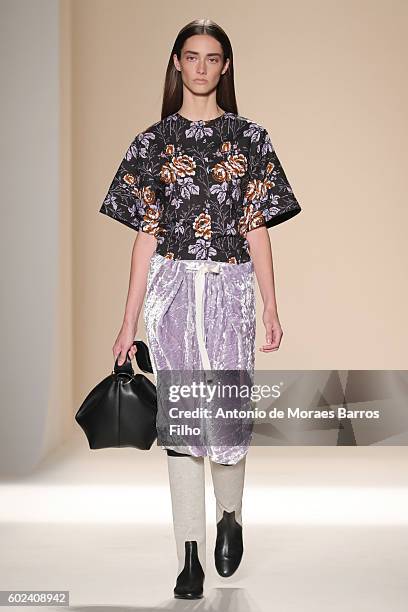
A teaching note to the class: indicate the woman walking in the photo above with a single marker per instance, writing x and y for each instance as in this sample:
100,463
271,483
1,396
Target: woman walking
201,187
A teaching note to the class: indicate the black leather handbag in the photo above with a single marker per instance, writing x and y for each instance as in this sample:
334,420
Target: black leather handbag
121,410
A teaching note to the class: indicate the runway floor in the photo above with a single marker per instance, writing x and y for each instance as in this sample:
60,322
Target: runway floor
325,528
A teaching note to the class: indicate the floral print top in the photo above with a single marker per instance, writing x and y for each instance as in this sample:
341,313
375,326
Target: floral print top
200,186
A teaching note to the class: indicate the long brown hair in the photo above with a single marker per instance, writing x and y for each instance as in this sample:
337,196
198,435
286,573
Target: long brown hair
173,85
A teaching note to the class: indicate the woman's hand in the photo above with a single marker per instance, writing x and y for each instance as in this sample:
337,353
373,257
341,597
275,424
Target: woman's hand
124,342
273,330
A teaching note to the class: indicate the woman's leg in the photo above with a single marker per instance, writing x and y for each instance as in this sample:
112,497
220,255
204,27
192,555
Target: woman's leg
187,487
228,483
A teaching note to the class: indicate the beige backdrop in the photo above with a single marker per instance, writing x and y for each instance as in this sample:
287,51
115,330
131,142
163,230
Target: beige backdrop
82,77
327,79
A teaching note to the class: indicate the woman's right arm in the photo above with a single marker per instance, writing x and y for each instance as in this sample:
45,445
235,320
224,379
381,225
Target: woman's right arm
143,248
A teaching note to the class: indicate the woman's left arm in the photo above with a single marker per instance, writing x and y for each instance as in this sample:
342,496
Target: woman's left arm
261,255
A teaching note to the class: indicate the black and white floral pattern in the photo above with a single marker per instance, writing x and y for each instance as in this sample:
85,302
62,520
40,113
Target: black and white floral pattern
200,186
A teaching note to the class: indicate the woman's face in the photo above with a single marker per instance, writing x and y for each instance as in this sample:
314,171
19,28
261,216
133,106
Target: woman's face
201,63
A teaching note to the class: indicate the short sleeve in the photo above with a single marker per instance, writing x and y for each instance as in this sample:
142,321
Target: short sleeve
269,198
133,196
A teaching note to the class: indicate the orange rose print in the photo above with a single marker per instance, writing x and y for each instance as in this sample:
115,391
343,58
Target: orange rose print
234,166
151,221
256,190
202,226
129,179
167,174
250,219
181,166
148,195
184,165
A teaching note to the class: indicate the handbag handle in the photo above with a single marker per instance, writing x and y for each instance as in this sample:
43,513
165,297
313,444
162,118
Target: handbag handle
142,360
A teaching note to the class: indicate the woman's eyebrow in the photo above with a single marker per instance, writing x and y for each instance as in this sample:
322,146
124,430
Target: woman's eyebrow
208,54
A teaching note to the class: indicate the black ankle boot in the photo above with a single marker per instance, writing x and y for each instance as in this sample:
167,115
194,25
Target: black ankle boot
190,581
229,546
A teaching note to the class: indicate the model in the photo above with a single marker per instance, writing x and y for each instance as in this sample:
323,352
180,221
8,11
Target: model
201,187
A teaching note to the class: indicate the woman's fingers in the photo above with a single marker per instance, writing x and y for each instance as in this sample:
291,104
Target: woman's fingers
273,337
122,357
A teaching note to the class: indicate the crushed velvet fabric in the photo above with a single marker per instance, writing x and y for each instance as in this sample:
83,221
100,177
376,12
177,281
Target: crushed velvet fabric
229,324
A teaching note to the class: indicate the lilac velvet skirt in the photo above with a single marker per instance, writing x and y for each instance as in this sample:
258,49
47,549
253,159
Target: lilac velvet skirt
200,316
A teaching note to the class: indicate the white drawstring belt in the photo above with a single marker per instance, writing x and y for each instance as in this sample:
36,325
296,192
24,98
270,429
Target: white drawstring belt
202,267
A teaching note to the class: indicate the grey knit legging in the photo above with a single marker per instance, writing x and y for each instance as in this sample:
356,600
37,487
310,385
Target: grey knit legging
187,486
